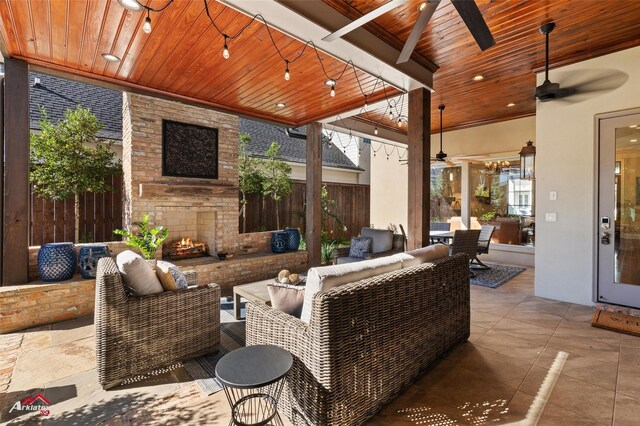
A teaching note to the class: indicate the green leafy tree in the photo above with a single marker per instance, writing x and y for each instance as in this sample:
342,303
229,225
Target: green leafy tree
147,240
68,159
249,176
276,182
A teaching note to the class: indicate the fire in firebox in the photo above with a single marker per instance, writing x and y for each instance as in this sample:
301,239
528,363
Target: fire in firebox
186,248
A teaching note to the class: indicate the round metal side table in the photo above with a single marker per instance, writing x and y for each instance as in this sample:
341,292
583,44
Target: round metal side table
253,378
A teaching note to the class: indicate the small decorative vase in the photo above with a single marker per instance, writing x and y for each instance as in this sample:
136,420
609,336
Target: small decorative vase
279,242
88,259
56,262
293,238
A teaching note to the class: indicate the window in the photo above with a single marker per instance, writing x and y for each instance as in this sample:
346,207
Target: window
499,196
446,193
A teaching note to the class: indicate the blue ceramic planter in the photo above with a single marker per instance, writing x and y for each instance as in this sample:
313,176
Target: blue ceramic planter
88,259
293,238
279,242
56,262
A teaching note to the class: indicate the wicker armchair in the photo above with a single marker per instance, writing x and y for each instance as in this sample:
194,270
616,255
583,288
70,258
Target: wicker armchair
399,243
137,335
366,341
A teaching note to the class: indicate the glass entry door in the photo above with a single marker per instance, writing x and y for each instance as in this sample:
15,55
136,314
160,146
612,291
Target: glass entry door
619,211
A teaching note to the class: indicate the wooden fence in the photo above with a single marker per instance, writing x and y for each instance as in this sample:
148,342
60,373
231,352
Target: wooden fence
351,206
100,214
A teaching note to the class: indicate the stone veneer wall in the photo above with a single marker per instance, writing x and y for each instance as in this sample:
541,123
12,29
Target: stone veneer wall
36,304
147,191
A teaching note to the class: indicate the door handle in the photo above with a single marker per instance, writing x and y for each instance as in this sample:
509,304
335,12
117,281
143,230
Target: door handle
605,238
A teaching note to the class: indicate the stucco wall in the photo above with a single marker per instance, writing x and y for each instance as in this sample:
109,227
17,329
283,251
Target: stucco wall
565,163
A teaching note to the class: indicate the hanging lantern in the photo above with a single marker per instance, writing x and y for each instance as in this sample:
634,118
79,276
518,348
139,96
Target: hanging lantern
528,161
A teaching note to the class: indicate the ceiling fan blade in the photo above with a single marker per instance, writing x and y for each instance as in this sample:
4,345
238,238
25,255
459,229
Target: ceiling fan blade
418,29
470,14
450,163
364,19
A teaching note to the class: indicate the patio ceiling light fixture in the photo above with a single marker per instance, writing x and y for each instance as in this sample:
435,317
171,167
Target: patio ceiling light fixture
110,58
225,49
146,27
131,5
287,76
528,161
136,6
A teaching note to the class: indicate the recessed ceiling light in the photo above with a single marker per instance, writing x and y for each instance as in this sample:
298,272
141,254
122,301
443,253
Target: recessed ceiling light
330,82
478,77
109,57
511,104
280,105
131,5
633,140
633,126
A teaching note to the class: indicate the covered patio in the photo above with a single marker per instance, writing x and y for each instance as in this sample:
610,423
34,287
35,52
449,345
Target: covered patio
523,352
511,371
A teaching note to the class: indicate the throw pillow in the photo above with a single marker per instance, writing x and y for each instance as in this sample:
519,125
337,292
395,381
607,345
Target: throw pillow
166,279
286,298
360,247
176,273
137,274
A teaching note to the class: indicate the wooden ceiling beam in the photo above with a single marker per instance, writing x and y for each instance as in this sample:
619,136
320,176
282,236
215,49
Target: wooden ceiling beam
330,19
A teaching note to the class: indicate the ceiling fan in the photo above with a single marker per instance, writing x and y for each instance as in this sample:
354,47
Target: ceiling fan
467,9
441,157
548,91
583,84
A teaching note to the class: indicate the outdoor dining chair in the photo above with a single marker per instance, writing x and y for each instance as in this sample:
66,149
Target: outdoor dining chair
486,232
465,241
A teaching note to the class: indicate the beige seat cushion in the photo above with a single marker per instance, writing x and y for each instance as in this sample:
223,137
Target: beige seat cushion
326,277
381,239
425,254
137,274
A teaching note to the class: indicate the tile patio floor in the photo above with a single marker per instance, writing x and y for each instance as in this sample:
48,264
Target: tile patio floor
528,361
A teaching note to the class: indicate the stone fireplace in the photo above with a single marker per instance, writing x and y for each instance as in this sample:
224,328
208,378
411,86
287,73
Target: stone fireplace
203,210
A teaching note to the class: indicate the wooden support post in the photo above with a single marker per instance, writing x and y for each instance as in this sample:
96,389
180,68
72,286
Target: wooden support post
15,245
419,168
1,173
466,194
314,191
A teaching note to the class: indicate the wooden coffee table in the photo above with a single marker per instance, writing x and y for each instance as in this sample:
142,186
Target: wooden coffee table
256,292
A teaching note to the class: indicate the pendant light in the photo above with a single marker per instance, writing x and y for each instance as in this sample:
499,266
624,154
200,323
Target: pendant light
441,156
528,161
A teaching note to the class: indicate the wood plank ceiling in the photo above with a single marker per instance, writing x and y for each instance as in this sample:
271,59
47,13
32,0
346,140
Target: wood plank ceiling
183,56
584,29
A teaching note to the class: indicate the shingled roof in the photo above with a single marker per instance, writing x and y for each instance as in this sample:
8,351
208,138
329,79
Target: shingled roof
58,94
291,149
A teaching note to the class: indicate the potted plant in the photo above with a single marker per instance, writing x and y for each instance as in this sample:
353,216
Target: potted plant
147,240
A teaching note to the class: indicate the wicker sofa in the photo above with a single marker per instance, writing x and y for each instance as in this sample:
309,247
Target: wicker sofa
367,340
137,335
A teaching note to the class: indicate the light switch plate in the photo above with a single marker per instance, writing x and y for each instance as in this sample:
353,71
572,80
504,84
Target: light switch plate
550,217
553,195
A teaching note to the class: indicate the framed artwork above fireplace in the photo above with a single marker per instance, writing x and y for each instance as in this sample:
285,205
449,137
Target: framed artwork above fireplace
189,150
